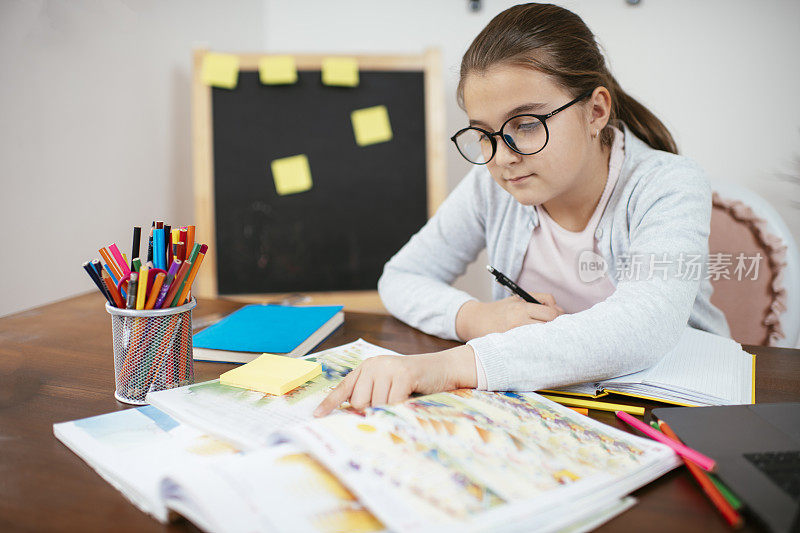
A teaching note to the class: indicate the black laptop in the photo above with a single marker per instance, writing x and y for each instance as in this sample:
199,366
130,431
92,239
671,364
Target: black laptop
757,450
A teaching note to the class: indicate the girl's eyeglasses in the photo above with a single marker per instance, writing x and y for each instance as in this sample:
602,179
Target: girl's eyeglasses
526,134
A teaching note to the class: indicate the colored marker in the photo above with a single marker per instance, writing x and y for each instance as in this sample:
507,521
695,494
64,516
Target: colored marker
113,278
123,265
110,262
96,265
180,250
183,236
111,287
135,246
162,295
193,252
167,246
177,284
110,272
703,461
600,406
727,511
87,266
150,242
132,286
735,502
192,273
141,295
157,253
189,240
159,281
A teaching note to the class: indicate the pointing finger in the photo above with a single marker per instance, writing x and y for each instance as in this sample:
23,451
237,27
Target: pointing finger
338,395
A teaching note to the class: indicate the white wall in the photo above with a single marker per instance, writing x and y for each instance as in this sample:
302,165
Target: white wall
94,102
721,74
95,128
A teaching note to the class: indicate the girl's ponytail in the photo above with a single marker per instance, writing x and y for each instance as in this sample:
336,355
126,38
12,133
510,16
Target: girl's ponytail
640,120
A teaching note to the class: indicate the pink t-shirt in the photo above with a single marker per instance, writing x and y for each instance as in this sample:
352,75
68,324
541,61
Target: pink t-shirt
551,263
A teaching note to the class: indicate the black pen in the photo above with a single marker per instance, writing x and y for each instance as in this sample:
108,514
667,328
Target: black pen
505,282
89,268
150,242
135,248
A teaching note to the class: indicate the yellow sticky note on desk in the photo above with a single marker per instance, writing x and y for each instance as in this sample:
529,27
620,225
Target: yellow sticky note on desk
220,70
341,71
291,174
273,374
371,125
277,70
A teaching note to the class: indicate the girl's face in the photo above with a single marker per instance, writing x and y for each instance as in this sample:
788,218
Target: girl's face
565,163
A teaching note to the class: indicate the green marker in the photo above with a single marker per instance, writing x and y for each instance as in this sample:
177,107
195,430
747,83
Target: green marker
735,502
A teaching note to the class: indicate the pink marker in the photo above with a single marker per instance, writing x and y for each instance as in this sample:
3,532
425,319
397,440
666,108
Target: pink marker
703,461
123,265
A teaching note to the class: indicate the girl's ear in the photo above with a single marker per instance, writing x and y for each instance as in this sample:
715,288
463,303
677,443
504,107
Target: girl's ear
599,108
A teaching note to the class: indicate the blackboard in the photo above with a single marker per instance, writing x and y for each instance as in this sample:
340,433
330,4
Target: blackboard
365,203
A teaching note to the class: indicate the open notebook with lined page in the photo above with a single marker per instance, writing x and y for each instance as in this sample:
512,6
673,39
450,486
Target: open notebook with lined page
702,369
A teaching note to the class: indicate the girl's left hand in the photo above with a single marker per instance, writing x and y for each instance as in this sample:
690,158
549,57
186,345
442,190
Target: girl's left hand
387,379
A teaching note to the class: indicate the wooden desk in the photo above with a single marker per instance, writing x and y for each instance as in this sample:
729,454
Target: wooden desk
56,364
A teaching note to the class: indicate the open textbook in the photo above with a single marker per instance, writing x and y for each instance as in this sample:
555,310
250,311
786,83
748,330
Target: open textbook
462,460
702,369
474,460
165,467
168,470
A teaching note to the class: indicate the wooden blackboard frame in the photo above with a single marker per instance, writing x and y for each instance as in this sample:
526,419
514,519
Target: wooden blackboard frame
429,63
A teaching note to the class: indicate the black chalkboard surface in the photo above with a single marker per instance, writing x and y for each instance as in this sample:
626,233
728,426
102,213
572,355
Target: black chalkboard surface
365,202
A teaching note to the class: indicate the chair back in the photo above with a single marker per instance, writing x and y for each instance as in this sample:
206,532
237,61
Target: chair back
754,267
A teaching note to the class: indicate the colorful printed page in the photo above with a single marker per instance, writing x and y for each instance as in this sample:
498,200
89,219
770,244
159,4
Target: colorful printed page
481,460
276,489
250,418
132,449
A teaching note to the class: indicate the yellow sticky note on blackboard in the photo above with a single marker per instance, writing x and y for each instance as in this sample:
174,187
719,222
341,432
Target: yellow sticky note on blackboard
341,71
291,174
220,70
371,125
277,70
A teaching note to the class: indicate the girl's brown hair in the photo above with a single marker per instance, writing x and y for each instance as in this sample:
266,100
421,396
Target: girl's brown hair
558,43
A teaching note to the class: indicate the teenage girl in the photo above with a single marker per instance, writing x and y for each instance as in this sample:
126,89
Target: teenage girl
572,176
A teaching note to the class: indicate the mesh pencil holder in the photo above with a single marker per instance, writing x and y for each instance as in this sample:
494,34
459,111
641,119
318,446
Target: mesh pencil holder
152,350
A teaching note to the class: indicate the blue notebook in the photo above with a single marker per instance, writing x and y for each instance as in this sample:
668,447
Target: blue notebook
255,329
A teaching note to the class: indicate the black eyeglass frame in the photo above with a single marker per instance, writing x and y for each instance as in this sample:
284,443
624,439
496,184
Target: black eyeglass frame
499,133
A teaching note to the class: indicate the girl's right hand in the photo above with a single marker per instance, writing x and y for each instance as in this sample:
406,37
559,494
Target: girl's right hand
476,319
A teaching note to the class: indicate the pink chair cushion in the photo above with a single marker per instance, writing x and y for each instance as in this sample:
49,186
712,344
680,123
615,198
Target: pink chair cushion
752,306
